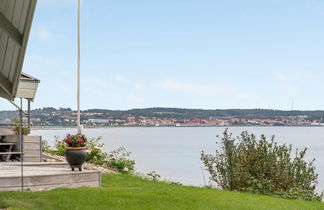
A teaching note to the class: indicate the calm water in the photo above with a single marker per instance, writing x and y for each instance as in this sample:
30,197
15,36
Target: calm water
174,153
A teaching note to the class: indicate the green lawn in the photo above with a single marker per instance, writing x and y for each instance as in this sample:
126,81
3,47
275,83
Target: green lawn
127,192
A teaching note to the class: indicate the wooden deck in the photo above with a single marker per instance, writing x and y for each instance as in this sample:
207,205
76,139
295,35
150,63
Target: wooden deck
32,146
44,176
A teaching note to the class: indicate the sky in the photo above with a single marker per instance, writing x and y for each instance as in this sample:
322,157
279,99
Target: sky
211,54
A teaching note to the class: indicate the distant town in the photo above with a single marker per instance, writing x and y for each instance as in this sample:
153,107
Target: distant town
169,117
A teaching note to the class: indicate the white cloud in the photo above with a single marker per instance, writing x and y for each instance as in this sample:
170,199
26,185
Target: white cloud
288,84
205,90
43,33
94,82
138,100
36,64
58,2
40,59
139,86
281,76
120,78
95,86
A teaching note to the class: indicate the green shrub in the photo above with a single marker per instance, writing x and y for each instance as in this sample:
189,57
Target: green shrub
59,146
119,160
152,175
16,127
244,163
45,146
95,154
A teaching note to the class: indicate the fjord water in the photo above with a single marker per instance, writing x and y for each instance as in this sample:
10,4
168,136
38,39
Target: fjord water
174,152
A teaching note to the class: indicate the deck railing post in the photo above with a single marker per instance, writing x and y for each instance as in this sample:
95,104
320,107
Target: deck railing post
21,145
28,117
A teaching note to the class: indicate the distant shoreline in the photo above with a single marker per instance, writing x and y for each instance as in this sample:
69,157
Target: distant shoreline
214,126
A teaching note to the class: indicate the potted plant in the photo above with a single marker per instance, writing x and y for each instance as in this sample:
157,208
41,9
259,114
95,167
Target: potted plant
75,152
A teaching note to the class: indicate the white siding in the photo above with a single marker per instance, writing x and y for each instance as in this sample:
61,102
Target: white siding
18,14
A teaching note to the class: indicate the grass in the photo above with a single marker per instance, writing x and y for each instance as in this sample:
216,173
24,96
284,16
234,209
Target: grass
127,192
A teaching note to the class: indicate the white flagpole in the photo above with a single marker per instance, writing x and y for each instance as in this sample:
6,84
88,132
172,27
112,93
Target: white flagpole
78,72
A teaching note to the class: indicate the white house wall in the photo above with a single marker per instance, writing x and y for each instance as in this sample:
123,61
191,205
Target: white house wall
15,23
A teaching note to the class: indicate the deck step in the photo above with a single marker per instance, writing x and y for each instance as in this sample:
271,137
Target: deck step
37,164
11,153
45,178
5,144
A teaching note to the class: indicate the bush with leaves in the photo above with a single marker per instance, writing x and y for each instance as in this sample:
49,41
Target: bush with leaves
119,160
59,147
95,153
45,146
16,127
152,175
244,163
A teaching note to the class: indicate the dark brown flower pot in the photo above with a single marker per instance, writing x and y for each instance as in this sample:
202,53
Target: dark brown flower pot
75,156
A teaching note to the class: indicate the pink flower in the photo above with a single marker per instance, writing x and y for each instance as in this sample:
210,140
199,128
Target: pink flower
75,140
